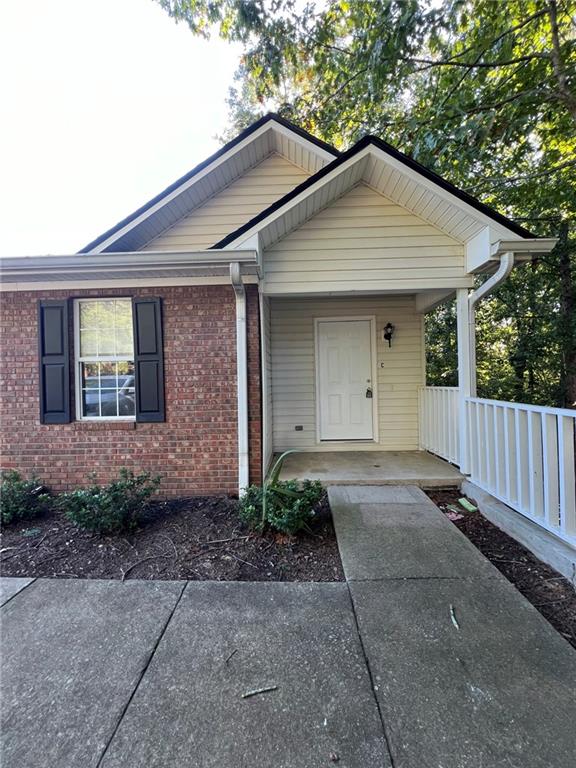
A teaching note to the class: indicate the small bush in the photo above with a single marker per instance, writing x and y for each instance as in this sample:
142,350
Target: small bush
113,507
21,499
289,507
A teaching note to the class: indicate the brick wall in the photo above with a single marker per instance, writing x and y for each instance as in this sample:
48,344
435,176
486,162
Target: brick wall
195,449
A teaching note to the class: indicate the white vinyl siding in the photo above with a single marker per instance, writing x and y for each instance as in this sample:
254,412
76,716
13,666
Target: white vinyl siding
233,206
400,369
363,241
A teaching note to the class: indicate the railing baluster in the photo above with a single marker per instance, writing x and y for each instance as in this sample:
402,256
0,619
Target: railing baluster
535,464
523,464
510,455
550,469
567,475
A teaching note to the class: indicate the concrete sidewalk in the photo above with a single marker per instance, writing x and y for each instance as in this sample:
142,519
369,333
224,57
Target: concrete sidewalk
152,675
426,658
467,673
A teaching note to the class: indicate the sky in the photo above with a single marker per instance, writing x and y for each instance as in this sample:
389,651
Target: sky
102,105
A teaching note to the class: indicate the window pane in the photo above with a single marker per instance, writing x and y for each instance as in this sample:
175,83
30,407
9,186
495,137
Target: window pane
109,402
88,343
124,342
106,345
88,314
126,391
90,376
124,315
90,402
106,312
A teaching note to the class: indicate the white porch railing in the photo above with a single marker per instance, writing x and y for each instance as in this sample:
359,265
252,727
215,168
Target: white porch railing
439,422
524,456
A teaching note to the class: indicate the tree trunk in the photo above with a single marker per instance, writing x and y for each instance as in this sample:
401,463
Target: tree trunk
567,319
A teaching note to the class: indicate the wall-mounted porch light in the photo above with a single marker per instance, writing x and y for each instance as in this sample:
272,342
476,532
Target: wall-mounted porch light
388,333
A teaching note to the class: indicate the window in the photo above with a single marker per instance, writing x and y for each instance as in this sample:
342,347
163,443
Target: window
104,359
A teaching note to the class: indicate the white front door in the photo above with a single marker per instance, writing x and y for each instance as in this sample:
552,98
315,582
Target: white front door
344,362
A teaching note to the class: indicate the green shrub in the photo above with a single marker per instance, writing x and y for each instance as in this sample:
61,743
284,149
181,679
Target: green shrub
21,499
288,507
113,507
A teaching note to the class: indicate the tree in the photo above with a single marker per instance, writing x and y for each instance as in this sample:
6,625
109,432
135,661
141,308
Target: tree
483,92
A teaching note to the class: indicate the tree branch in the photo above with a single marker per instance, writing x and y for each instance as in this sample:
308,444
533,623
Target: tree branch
498,181
473,65
566,94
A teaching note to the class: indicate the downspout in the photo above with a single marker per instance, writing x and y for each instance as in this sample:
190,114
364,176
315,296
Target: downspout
466,310
241,374
504,269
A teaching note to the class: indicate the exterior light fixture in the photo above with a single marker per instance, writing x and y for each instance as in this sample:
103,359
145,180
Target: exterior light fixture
388,333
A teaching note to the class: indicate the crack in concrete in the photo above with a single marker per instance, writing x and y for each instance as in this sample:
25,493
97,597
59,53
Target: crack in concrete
371,678
141,676
24,588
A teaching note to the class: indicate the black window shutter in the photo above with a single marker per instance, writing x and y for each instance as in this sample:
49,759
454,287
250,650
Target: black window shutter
54,361
148,359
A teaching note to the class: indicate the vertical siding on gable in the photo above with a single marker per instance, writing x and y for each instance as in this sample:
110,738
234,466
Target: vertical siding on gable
400,368
361,241
229,209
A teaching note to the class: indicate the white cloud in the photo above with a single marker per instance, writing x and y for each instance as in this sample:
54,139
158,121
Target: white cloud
102,105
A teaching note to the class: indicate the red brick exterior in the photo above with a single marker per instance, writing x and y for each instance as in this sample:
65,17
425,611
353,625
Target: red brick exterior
195,449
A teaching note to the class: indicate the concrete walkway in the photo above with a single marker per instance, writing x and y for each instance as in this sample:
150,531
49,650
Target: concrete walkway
426,658
467,673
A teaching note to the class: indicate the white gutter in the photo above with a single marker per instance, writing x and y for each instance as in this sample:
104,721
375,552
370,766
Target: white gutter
110,265
526,248
506,266
241,374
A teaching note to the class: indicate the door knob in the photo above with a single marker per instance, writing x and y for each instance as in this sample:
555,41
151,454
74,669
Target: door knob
369,392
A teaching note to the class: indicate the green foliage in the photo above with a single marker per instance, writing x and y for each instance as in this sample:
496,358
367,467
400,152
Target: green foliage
289,507
283,505
481,91
22,499
113,507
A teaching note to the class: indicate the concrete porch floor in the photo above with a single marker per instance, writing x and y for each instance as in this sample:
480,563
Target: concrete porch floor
371,468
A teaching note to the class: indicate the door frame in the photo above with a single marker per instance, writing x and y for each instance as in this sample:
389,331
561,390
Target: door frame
373,353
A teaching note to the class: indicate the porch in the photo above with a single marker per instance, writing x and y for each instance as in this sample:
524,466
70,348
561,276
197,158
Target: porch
371,468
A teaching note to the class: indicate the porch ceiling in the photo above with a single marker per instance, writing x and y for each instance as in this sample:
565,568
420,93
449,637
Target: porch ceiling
371,468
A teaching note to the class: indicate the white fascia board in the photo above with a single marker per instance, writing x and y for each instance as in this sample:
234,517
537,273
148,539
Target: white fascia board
142,282
183,187
311,190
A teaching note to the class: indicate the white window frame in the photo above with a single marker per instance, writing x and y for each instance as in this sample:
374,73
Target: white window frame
78,360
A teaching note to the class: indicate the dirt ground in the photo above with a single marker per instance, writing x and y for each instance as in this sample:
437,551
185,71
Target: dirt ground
545,588
197,539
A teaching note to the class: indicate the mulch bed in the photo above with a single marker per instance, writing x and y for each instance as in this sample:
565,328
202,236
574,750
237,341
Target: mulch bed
549,592
195,539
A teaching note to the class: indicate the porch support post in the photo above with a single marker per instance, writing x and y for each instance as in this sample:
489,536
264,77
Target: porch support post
466,331
241,375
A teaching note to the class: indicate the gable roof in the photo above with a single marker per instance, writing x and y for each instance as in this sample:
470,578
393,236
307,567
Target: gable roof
124,235
346,160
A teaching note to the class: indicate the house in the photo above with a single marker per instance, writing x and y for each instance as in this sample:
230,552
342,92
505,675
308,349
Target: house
272,298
